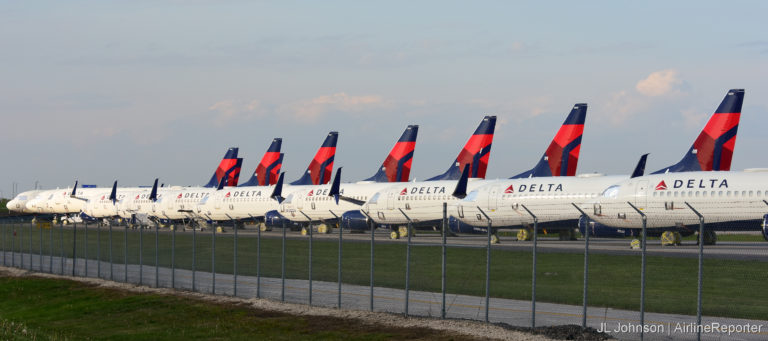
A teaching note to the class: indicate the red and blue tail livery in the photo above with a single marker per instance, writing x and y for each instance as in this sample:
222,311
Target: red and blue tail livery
319,170
397,166
226,166
713,149
475,153
267,171
562,155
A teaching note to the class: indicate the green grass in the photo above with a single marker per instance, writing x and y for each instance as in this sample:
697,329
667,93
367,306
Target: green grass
732,288
39,308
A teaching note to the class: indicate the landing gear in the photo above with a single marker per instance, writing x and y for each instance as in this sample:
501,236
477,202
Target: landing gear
263,227
304,231
710,238
401,232
323,228
394,235
494,238
671,238
525,234
568,234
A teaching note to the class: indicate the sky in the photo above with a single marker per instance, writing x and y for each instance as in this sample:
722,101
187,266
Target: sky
134,90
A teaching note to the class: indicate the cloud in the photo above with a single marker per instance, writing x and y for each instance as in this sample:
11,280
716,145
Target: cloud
694,118
229,109
660,83
311,109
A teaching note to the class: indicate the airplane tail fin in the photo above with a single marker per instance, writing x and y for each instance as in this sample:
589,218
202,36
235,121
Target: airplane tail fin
227,163
234,174
268,169
319,170
713,149
397,166
475,153
562,155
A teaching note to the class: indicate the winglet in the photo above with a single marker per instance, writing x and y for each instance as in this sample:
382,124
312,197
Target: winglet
335,186
461,186
113,195
277,193
153,194
640,168
74,190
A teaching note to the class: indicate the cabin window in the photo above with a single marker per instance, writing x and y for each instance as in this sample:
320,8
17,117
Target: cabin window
727,193
704,193
758,193
743,193
675,193
697,193
750,193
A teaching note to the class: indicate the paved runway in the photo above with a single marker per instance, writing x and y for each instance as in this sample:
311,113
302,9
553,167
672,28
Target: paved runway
513,312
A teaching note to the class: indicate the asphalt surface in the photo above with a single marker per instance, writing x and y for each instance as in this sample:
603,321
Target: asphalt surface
513,312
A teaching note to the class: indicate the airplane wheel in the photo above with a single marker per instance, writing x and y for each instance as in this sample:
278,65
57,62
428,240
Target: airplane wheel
634,244
494,239
394,235
322,228
304,231
263,227
710,237
670,238
525,234
402,231
64,222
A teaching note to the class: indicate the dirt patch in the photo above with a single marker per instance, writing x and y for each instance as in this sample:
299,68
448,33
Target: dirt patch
458,329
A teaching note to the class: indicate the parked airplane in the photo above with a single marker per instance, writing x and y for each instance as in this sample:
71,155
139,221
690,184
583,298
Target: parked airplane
19,202
252,202
314,199
729,201
550,199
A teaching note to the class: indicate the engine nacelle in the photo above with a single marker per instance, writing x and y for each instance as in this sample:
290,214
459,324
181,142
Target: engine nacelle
274,219
457,226
355,221
765,227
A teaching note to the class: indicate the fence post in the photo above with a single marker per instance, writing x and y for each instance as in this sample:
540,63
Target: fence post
213,259
586,270
487,264
310,255
41,248
85,250
258,257
701,268
407,261
533,280
61,248
98,251
141,255
194,258
372,226
111,263
173,258
125,255
2,231
30,247
234,257
443,273
642,269
74,249
157,255
21,244
50,249
282,267
341,233
13,245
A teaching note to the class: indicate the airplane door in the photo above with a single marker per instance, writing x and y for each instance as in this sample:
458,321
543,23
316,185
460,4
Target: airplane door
641,193
493,204
390,200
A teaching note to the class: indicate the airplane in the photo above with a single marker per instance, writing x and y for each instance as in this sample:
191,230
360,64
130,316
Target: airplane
253,202
395,168
315,202
127,202
422,202
728,201
19,202
550,199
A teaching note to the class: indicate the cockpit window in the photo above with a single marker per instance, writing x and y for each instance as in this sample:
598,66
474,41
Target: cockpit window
611,192
472,196
374,199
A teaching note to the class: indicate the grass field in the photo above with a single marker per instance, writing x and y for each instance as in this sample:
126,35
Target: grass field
732,288
42,309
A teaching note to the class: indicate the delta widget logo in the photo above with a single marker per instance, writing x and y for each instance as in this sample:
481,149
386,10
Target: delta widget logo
661,186
509,189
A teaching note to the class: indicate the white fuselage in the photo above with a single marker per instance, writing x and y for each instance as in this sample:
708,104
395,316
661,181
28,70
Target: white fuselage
247,202
718,196
314,201
19,203
420,201
548,198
